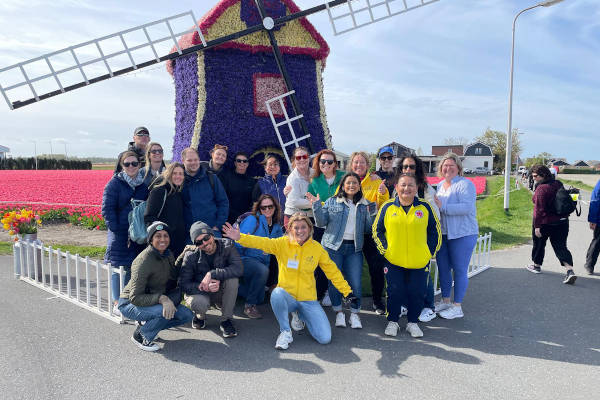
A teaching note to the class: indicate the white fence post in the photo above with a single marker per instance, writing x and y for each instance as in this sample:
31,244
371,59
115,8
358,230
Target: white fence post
17,260
77,284
87,279
98,294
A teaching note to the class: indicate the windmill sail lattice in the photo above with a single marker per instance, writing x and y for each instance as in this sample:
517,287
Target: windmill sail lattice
101,57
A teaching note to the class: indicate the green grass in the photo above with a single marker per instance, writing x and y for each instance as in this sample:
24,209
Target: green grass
103,166
96,252
508,228
577,184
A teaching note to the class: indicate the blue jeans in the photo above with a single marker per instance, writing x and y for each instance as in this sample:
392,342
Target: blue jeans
115,282
310,312
153,317
255,278
350,263
454,255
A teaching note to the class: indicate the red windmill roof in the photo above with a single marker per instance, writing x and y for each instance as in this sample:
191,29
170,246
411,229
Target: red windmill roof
209,19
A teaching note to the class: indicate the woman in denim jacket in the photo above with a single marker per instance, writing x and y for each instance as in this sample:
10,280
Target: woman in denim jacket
346,218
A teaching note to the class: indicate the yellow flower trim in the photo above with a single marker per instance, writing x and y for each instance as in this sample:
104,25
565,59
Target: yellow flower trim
323,114
201,101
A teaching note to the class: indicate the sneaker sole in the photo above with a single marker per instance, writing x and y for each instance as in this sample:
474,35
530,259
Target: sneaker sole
228,335
452,316
281,347
145,348
428,319
533,271
570,280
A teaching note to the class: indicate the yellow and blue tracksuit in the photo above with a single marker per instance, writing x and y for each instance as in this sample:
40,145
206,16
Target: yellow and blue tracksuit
407,241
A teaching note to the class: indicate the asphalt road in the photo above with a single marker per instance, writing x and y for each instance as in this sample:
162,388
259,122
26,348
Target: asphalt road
524,336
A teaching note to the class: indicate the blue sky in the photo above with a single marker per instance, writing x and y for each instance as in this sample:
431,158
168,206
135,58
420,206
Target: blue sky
436,72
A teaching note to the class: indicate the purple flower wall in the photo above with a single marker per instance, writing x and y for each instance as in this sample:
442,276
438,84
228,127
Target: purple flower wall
185,75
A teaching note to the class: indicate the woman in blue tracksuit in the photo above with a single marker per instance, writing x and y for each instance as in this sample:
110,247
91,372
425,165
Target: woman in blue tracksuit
116,204
346,217
263,222
272,183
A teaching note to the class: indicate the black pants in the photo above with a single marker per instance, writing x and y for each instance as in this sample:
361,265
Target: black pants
321,280
375,261
557,233
593,250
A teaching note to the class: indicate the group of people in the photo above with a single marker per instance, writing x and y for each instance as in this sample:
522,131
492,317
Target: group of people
215,233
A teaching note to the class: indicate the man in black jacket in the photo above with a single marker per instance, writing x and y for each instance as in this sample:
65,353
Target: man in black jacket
141,138
209,274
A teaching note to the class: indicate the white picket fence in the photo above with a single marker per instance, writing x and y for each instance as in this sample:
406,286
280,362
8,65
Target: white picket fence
79,280
86,282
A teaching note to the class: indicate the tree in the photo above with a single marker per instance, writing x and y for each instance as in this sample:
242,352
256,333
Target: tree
497,142
461,140
541,158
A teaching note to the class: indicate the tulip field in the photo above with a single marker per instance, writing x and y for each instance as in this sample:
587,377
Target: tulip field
71,195
76,195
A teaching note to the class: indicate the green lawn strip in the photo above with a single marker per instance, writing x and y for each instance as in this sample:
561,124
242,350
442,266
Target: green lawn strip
577,184
96,252
508,229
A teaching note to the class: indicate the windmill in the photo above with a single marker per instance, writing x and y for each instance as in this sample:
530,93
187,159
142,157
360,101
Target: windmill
344,16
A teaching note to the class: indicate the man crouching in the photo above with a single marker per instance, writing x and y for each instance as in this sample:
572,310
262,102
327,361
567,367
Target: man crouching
209,274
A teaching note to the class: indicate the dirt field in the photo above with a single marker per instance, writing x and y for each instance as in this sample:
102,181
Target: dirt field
53,234
585,178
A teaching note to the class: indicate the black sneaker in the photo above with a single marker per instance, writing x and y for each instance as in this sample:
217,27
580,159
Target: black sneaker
228,329
379,307
590,271
570,277
142,343
198,323
533,268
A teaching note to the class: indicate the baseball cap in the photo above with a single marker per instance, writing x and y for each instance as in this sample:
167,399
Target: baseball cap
141,131
386,149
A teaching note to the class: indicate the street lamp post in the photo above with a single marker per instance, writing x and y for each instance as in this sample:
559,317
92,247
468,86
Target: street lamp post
508,161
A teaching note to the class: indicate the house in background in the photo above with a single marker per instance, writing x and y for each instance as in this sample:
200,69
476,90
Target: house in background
342,160
478,155
399,152
3,152
558,162
580,164
457,149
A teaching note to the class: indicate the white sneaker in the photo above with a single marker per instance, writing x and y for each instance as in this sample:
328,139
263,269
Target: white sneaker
116,311
340,320
297,324
283,340
452,312
441,306
414,330
326,302
391,329
355,321
427,315
403,311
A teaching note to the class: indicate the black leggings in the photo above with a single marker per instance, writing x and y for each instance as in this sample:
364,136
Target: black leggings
557,233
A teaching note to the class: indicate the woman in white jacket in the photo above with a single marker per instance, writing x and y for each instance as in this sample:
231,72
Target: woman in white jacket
413,165
297,185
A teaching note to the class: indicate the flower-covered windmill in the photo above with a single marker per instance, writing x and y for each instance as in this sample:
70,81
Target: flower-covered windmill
246,68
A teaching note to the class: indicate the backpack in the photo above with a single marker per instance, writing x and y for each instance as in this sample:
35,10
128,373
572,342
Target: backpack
137,227
564,203
242,217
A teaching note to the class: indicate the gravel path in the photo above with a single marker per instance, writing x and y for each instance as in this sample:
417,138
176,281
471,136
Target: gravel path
65,233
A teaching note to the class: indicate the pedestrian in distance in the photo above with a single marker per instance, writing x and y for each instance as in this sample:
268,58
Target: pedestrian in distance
264,222
152,295
374,190
210,276
141,138
594,221
116,204
346,217
456,196
407,233
298,255
166,204
547,224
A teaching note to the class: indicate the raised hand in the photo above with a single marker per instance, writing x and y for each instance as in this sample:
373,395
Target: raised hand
382,188
312,198
231,232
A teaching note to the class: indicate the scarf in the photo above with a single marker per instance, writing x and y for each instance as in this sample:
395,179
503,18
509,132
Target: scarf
133,182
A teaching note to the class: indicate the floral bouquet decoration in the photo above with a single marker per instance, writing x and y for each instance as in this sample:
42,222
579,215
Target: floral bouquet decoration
20,222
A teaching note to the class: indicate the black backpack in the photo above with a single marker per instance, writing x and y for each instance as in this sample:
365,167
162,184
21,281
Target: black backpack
564,204
242,217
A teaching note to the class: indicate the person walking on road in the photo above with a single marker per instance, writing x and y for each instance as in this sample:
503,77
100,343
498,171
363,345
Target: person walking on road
594,220
549,225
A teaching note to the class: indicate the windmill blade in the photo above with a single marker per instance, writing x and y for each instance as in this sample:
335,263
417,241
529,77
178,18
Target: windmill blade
359,13
70,60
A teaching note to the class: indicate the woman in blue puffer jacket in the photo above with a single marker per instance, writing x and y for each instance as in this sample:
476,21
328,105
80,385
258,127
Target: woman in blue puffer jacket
116,205
263,222
346,218
272,183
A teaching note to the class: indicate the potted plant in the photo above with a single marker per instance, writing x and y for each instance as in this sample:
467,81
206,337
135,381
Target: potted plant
22,224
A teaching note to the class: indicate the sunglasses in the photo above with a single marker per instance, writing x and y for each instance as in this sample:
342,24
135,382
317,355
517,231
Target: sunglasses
323,162
200,242
131,164
534,175
156,151
386,158
302,157
410,166
267,207
241,160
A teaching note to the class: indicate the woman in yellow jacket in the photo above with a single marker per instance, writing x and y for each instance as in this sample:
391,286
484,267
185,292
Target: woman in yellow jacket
407,233
375,191
297,255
